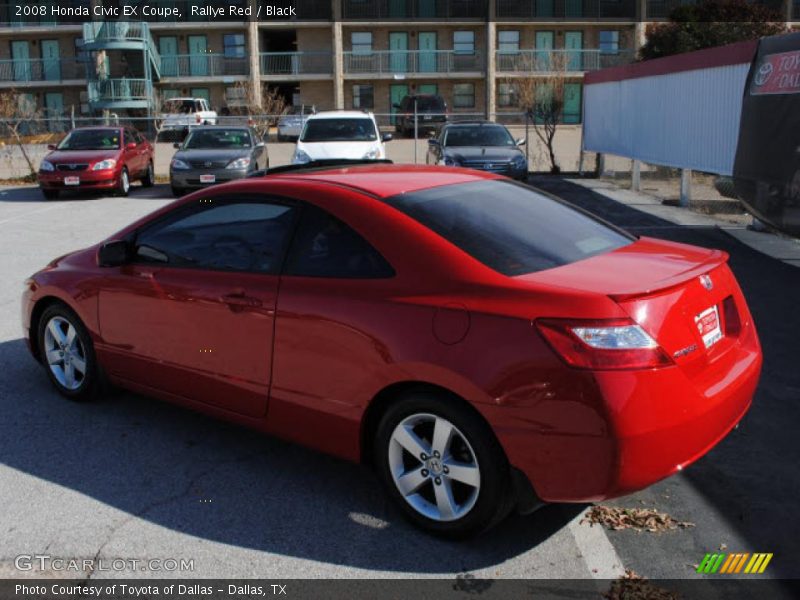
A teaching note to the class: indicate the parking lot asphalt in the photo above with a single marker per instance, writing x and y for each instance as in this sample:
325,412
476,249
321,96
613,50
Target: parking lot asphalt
130,477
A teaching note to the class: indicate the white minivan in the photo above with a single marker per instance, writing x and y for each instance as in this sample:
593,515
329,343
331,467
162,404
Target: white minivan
340,134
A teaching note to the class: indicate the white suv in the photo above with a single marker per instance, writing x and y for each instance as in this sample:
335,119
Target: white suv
340,134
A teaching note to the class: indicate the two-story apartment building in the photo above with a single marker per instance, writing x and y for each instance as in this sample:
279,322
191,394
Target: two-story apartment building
334,54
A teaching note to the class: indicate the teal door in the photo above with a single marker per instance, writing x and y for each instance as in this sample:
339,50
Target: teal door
426,8
51,60
198,55
54,109
427,52
201,93
544,8
20,54
397,92
397,8
398,56
573,43
168,49
428,88
544,50
572,103
573,8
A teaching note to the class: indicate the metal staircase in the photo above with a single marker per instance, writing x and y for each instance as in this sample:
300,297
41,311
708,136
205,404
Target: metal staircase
123,63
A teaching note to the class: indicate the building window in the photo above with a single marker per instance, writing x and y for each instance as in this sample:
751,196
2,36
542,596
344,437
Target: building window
236,96
506,95
609,42
361,42
464,42
80,54
363,96
166,94
464,95
508,41
233,44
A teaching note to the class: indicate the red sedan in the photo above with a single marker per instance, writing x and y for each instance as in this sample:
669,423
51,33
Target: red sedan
97,158
483,345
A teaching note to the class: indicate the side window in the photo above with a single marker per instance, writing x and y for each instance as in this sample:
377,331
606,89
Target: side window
227,236
324,246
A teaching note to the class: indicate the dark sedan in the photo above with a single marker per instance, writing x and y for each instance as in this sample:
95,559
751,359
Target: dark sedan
483,145
212,155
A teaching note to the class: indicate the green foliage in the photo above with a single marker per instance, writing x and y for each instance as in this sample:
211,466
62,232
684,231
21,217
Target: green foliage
711,23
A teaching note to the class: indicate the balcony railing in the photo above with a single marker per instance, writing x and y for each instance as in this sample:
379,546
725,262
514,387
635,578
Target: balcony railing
120,90
41,69
296,63
414,9
412,61
564,9
533,61
204,65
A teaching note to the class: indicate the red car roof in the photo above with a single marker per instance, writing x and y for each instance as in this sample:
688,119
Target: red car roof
389,180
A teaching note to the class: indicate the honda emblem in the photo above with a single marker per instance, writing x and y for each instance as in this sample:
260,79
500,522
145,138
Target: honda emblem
707,283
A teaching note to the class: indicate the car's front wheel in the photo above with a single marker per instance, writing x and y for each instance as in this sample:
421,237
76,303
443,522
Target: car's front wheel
149,177
68,354
443,466
124,184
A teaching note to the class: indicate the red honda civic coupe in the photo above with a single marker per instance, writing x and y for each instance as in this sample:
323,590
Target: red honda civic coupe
484,345
97,158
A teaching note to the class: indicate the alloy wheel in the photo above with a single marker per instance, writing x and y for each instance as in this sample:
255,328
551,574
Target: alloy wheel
126,184
434,467
64,352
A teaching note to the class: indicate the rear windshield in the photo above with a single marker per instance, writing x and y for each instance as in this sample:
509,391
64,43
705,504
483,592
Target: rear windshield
508,227
429,103
339,130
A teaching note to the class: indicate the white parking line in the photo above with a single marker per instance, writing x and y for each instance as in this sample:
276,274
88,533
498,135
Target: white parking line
595,547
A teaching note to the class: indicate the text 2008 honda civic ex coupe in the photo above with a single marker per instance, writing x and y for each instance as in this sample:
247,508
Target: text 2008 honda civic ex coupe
483,345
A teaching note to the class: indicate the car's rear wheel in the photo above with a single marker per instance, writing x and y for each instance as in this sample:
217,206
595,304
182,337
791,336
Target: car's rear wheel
68,354
149,177
50,194
124,184
443,466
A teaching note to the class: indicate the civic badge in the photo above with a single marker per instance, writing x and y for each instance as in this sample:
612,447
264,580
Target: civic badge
707,283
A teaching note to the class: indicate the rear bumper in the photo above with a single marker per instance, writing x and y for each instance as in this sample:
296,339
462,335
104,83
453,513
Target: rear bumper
89,180
636,428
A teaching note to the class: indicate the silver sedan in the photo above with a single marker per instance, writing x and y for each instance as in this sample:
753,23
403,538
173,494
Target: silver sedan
217,154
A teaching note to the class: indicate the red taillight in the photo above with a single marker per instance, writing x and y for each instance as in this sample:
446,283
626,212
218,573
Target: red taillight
730,314
603,344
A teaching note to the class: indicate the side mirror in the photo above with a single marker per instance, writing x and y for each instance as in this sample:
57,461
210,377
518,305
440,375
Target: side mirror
130,146
176,145
260,144
433,142
386,137
113,254
521,142
51,146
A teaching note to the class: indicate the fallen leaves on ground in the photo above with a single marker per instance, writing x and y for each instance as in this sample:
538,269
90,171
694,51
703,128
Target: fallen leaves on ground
635,587
640,519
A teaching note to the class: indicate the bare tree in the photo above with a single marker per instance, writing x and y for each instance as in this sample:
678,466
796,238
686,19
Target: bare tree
18,111
539,93
261,111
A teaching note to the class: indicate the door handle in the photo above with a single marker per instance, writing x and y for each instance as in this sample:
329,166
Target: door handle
240,300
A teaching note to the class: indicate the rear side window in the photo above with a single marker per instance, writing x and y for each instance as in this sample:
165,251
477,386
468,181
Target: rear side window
508,227
324,246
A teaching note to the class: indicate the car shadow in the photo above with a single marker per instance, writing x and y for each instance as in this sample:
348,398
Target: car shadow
750,478
220,482
31,193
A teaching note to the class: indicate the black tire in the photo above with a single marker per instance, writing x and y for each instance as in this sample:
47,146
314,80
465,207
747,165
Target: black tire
178,192
91,383
149,177
124,189
494,497
50,194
